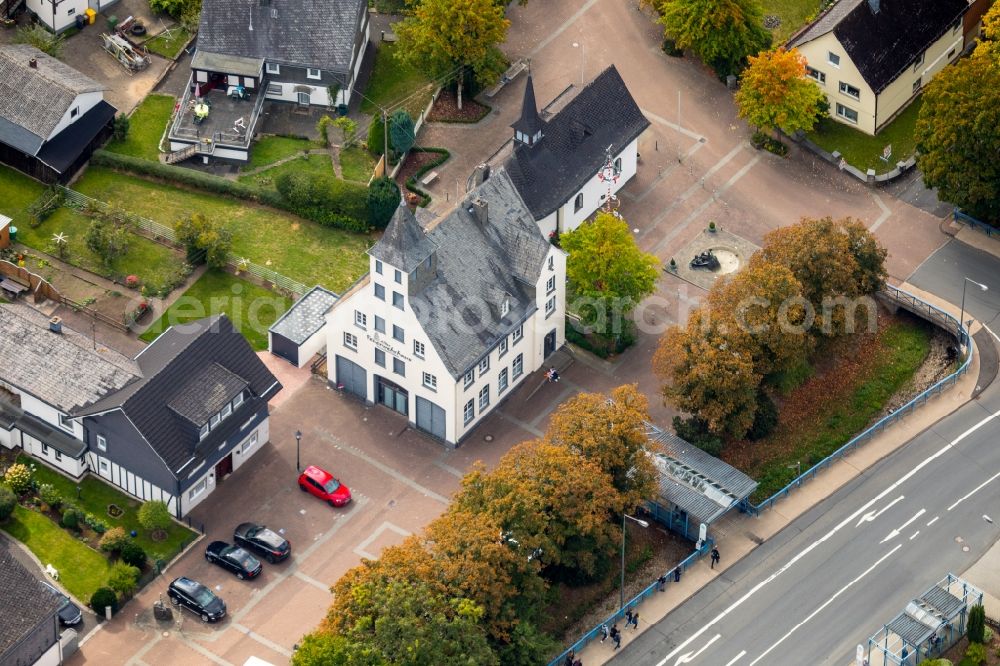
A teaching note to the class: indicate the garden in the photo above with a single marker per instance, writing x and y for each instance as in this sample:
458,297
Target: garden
95,536
145,128
979,647
785,17
395,84
169,42
863,151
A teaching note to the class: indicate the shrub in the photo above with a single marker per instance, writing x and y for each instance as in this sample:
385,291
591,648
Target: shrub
695,431
43,40
95,523
70,519
114,540
132,553
8,500
977,624
206,241
411,182
107,240
154,515
48,494
766,418
103,597
18,478
401,134
347,126
976,653
383,200
761,140
120,128
47,203
123,578
325,199
376,136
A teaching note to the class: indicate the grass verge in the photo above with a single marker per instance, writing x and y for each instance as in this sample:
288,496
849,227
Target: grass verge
146,127
252,309
81,568
863,151
392,82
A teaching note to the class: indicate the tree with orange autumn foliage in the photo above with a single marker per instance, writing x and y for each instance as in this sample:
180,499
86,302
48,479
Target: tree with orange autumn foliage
776,94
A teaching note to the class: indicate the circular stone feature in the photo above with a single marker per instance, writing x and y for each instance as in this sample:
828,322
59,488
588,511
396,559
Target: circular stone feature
729,261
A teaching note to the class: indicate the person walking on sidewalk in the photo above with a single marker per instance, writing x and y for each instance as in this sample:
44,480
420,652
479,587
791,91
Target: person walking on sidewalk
616,636
604,632
635,620
715,557
570,658
628,618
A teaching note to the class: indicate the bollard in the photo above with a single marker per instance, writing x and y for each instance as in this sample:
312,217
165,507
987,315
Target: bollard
107,612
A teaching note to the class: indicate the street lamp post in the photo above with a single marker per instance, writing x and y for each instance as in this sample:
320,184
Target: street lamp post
642,523
298,440
961,320
583,58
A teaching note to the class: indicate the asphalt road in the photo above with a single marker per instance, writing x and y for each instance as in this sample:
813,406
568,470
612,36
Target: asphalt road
837,573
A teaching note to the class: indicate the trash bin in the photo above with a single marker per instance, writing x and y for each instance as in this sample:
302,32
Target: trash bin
112,23
342,109
81,21
91,15
13,233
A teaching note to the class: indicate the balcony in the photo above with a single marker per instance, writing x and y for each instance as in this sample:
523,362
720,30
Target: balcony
231,123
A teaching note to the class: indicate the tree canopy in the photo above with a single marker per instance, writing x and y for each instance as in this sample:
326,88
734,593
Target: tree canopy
775,92
722,33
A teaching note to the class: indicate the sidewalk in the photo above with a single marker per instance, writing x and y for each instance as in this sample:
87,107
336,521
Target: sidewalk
737,534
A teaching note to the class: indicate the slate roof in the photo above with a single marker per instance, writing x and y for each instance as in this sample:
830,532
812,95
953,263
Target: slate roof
24,603
34,100
306,316
882,45
404,244
61,369
529,122
478,266
168,366
303,33
206,393
574,141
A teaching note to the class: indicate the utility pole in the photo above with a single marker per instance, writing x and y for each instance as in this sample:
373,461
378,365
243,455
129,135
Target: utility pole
385,146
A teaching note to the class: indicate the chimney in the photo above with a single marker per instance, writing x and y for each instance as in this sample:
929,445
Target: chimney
874,5
55,324
411,202
481,174
32,63
480,209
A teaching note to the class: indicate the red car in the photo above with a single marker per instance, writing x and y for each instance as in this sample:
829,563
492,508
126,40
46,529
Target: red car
321,483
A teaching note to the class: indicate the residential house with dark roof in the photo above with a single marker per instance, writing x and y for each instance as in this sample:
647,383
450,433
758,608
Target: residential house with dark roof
558,164
29,624
52,117
873,57
450,320
167,425
307,52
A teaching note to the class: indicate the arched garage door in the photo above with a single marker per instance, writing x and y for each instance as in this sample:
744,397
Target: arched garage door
352,377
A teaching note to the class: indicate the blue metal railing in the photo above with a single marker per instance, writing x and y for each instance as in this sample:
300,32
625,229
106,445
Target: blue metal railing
989,230
925,310
618,615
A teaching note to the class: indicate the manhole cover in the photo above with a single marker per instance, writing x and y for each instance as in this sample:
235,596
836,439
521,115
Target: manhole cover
488,438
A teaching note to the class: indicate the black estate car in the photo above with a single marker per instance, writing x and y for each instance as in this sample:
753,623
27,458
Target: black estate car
69,613
234,559
261,540
197,598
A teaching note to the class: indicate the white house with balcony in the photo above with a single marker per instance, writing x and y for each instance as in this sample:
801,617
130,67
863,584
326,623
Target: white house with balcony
448,322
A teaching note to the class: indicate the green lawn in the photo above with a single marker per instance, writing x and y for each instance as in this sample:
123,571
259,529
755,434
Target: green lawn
793,14
17,192
146,128
356,163
319,164
296,248
392,82
252,309
95,496
155,264
863,151
169,47
81,568
270,149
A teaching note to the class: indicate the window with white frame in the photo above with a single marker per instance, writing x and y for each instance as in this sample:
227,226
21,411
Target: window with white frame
250,443
45,449
214,421
350,340
238,400
103,465
849,90
819,76
397,276
58,457
847,113
418,349
399,367
833,59
197,489
918,61
518,366
221,415
505,307
312,73
484,366
518,333
360,318
578,203
550,306
503,346
430,381
618,165
378,266
469,412
272,68
273,89
379,324
484,398
470,378
203,432
102,443
955,26
380,358
379,292
65,422
502,381
397,300
227,410
917,84
550,285
397,333
552,263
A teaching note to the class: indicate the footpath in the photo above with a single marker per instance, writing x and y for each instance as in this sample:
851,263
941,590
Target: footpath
737,534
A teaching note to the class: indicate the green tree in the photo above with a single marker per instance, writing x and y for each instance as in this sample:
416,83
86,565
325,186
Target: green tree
36,35
957,138
8,500
401,131
722,33
123,578
775,92
102,597
443,36
121,127
207,240
154,515
977,624
107,240
376,137
383,200
607,273
347,126
18,478
322,648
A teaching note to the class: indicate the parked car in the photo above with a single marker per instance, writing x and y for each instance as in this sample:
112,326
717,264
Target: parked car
323,485
234,559
69,613
197,598
261,540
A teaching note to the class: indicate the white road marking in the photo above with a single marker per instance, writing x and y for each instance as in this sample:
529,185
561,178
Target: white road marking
687,657
914,535
828,602
895,533
674,126
736,658
933,520
975,490
995,336
872,515
808,549
881,218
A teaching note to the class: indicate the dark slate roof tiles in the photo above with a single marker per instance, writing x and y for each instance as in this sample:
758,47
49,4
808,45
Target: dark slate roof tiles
24,602
404,244
206,393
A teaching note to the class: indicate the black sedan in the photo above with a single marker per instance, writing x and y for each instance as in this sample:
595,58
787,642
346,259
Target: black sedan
234,559
69,613
197,598
263,541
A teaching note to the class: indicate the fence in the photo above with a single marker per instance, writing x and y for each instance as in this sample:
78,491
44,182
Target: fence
961,217
165,233
650,590
926,311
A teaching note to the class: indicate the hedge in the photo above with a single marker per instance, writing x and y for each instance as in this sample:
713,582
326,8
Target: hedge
411,182
347,214
325,199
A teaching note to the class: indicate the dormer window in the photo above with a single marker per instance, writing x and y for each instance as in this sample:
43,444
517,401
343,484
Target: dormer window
505,306
224,412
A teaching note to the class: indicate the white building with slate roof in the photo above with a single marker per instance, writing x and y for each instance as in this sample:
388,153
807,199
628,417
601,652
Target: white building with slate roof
448,323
